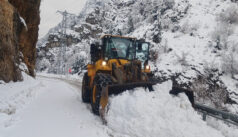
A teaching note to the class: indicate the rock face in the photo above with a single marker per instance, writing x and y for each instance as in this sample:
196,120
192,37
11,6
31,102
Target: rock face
29,11
19,22
9,50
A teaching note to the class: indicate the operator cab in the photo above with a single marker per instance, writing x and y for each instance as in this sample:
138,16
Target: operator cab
118,47
113,47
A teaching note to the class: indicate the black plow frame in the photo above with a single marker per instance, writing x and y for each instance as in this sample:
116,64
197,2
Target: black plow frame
119,88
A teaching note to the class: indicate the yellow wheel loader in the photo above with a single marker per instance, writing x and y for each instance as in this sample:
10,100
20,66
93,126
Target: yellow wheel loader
117,64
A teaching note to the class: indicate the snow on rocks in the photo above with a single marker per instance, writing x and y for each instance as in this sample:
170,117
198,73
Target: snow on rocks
24,22
142,113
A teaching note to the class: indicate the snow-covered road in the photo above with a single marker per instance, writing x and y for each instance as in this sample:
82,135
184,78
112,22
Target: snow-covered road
56,112
52,107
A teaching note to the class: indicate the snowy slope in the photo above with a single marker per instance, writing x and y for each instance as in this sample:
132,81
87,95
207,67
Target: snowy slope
202,44
192,42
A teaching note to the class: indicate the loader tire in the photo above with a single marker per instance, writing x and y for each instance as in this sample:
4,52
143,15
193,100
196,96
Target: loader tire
85,88
100,80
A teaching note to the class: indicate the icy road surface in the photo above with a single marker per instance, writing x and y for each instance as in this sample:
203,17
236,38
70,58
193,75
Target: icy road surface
52,107
56,112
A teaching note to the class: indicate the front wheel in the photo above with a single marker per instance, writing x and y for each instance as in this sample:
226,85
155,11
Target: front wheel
85,88
99,96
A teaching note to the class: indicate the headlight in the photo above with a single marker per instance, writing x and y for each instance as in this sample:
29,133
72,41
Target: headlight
147,67
104,63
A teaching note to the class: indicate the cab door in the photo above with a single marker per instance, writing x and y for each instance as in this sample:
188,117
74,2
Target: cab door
142,52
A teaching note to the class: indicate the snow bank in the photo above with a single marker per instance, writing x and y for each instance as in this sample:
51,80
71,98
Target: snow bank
14,96
150,114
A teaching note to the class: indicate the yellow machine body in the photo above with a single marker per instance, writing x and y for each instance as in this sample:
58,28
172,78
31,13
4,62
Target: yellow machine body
122,73
99,67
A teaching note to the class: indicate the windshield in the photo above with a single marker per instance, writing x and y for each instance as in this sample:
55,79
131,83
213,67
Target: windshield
142,52
121,48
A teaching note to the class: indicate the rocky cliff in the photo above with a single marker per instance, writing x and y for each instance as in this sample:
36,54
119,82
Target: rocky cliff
19,22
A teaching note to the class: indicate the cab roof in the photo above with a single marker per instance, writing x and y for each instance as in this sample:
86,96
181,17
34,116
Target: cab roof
118,36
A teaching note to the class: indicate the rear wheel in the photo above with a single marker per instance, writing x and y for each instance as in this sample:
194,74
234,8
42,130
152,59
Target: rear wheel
85,88
100,81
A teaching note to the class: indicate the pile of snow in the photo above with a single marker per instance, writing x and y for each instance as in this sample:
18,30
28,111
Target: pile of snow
14,96
149,114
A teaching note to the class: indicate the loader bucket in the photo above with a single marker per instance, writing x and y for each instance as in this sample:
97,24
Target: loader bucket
119,88
103,103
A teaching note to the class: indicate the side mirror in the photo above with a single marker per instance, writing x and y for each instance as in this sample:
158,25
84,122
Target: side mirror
98,46
139,46
93,48
95,51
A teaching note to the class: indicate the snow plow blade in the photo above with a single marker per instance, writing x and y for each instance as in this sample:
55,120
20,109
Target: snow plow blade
119,88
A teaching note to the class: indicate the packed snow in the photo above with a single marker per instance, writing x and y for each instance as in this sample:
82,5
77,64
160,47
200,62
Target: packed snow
56,110
52,106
